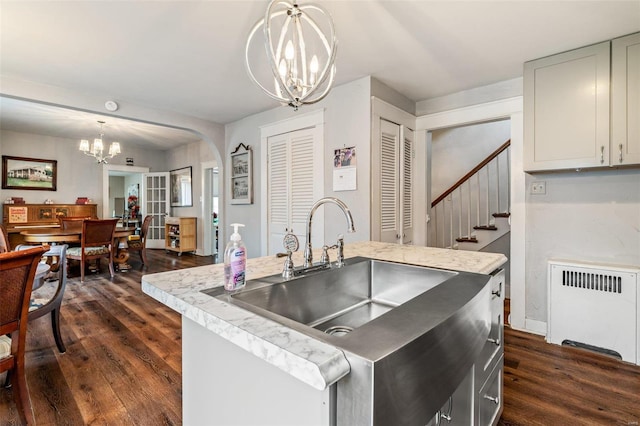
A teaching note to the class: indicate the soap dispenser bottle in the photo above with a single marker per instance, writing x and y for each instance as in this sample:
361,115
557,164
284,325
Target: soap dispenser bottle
235,261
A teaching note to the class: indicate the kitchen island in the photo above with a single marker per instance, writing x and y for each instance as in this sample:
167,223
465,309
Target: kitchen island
234,359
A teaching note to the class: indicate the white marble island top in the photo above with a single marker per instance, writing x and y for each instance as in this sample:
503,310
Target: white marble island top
312,361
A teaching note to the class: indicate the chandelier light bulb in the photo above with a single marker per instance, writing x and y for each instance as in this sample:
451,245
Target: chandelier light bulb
288,51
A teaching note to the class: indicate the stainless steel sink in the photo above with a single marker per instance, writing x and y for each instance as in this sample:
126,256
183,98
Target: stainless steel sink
409,333
346,297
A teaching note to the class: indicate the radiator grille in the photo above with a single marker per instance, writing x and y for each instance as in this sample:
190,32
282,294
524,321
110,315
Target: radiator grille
594,306
592,281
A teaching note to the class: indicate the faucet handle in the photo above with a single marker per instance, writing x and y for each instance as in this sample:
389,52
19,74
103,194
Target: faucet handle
324,259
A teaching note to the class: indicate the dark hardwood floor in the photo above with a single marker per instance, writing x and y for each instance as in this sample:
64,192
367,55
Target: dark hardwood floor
123,364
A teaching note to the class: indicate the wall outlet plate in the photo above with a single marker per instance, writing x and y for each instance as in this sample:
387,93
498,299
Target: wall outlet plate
539,188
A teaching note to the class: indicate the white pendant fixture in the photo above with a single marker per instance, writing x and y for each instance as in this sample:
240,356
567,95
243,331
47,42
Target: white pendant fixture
301,57
96,149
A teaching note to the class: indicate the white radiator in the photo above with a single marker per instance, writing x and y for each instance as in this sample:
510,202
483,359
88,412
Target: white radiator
596,305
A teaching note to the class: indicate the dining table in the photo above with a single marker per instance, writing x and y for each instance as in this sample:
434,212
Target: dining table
55,235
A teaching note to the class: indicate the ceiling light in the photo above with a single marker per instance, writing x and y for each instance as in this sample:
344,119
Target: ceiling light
301,57
97,147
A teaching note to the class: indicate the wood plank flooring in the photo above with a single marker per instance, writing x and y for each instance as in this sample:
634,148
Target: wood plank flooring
123,364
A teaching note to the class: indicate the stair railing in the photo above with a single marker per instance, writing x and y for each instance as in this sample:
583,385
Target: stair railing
473,202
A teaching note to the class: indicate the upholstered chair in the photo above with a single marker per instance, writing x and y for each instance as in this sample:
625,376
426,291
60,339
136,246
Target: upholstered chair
96,242
17,270
43,303
4,240
141,245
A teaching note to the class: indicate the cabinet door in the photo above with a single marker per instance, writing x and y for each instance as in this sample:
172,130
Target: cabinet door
625,100
566,104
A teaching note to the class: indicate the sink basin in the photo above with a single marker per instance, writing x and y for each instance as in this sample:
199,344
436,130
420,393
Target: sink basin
342,299
409,333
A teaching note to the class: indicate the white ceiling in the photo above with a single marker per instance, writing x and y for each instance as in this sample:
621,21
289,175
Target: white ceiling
187,56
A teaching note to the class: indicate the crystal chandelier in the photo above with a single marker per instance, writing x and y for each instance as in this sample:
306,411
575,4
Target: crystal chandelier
301,75
97,147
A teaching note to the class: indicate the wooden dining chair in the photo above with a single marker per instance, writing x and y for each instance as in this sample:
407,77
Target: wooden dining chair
141,245
41,304
4,240
96,242
17,270
72,223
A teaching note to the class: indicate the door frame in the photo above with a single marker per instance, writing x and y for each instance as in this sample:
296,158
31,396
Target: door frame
511,108
106,168
206,196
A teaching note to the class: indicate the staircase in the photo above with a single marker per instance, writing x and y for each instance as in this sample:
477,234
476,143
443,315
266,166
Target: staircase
474,212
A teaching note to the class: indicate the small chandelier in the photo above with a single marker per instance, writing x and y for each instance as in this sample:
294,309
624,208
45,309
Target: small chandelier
97,147
300,75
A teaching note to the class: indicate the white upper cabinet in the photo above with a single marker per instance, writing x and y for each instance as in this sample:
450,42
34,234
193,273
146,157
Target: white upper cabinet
625,100
569,123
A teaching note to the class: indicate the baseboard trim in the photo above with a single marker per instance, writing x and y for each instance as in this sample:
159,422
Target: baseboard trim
535,326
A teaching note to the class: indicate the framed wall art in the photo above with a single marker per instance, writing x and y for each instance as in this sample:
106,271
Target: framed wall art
241,175
181,187
29,173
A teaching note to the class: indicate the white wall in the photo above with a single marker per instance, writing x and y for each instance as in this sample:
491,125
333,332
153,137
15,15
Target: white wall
191,155
590,215
347,123
78,175
455,151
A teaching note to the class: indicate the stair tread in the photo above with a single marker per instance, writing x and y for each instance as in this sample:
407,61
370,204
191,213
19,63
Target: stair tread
467,240
486,227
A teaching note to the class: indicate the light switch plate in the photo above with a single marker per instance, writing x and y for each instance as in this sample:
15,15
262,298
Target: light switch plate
539,188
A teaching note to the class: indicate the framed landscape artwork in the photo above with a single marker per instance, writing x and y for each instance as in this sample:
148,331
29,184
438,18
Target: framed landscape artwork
29,173
241,179
181,187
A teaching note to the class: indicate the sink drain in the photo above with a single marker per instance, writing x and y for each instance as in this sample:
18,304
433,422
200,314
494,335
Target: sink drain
339,330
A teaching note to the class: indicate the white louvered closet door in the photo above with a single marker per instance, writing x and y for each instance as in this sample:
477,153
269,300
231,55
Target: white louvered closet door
278,191
302,182
389,197
291,186
406,192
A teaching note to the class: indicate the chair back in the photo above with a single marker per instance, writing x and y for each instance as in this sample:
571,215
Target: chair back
4,240
145,227
98,232
17,270
72,223
59,252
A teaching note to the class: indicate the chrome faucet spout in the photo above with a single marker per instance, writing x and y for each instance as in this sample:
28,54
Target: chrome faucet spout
308,255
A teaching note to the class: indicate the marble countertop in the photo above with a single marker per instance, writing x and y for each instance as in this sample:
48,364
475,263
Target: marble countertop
312,361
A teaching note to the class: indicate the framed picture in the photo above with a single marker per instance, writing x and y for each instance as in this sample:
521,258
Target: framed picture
29,173
241,175
181,187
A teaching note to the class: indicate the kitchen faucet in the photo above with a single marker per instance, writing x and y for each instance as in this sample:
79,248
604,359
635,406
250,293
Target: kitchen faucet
308,256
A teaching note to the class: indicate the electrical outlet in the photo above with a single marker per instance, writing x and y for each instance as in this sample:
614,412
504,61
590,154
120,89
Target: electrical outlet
539,188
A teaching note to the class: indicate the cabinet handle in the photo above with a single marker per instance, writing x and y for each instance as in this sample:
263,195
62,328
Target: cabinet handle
620,148
602,154
447,415
494,399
